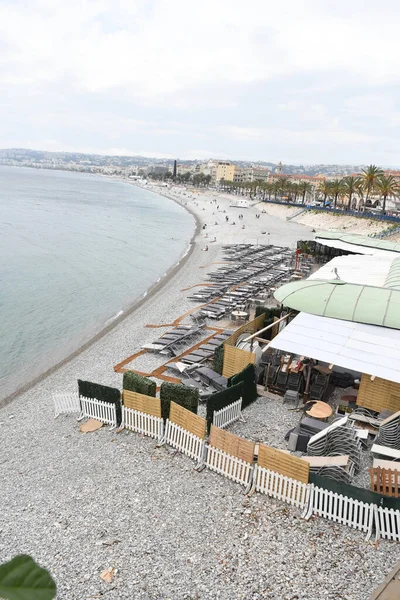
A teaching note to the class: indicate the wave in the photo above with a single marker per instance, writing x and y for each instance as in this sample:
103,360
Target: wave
118,314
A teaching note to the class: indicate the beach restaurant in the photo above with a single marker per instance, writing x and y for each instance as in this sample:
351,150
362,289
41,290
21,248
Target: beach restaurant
349,320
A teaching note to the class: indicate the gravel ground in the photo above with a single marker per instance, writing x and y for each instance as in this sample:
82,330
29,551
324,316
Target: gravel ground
80,503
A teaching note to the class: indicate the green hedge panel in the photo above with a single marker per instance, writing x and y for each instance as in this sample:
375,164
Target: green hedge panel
103,393
137,383
354,492
221,400
183,395
218,360
248,378
270,313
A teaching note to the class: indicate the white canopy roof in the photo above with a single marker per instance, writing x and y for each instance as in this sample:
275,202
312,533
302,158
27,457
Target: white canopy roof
341,245
365,270
363,348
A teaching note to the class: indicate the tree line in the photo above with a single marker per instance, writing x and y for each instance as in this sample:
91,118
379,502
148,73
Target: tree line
372,187
349,192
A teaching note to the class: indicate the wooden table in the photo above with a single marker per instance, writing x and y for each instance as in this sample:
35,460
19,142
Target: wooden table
386,464
319,410
385,451
327,461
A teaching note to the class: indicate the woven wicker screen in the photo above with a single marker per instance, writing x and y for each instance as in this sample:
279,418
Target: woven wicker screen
378,394
250,327
283,463
187,420
235,360
231,444
142,403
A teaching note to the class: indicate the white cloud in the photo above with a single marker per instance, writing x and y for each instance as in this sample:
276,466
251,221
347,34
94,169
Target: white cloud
104,74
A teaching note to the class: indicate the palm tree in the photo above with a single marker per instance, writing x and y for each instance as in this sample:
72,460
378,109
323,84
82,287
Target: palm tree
295,190
387,186
283,186
351,186
337,188
276,186
304,188
269,188
325,189
370,177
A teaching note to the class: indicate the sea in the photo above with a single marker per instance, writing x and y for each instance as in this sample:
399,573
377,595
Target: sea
76,251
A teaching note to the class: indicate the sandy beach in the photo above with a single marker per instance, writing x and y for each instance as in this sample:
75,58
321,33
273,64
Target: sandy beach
82,503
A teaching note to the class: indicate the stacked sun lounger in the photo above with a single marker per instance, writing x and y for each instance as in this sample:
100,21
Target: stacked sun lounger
250,270
175,340
206,350
337,440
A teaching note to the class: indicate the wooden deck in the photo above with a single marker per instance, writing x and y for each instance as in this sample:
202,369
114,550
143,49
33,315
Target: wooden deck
159,372
390,587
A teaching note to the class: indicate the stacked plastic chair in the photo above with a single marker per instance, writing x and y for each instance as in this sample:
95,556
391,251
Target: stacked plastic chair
334,472
337,440
389,432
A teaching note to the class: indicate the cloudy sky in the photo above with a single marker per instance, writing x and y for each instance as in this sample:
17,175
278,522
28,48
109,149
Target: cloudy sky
302,81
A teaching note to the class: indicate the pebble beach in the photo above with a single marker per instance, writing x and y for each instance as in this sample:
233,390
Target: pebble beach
81,503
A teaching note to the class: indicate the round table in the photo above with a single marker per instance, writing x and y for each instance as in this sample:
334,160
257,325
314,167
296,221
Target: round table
239,314
319,410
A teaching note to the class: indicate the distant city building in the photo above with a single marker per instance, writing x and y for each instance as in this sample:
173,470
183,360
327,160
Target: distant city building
182,169
158,169
395,174
250,174
222,170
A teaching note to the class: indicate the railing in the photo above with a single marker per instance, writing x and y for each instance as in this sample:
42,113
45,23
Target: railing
280,487
387,523
340,509
65,403
231,413
142,423
101,411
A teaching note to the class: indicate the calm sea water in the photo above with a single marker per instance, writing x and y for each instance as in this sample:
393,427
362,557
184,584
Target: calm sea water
75,251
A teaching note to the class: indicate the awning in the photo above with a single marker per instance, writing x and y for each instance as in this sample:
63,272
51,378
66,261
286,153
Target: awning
360,244
363,348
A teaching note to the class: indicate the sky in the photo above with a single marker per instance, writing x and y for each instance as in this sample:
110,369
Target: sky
297,81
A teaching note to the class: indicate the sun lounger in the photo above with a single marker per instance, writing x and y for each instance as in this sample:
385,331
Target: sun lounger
192,359
209,347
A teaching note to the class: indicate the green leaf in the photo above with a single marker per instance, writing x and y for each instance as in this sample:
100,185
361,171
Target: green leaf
23,579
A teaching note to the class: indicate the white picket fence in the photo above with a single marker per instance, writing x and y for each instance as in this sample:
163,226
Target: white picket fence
280,487
231,467
65,403
224,417
184,441
96,409
387,523
142,423
340,509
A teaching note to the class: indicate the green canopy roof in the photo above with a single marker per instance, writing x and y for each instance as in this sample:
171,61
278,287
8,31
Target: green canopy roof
340,300
358,240
393,278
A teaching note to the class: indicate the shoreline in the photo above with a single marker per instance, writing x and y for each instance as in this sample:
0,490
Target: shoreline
147,295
